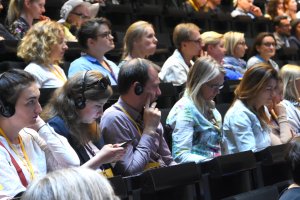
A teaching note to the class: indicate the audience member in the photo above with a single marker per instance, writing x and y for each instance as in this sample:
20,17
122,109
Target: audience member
73,112
212,6
95,39
274,8
196,123
139,41
233,63
246,122
44,46
135,117
187,40
290,9
292,157
291,91
281,129
29,147
214,45
72,183
282,31
262,50
193,5
4,33
21,14
294,40
73,14
245,7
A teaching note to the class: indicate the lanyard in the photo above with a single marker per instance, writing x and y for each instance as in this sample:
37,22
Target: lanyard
195,5
26,162
53,69
130,118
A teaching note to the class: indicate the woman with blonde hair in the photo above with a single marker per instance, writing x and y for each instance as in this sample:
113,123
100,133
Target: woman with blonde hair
290,75
214,45
72,183
44,46
195,121
21,14
246,122
139,41
236,47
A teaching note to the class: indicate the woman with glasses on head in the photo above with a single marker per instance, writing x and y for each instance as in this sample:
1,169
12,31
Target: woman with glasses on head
44,46
74,111
246,123
263,49
195,121
139,41
233,63
21,15
95,39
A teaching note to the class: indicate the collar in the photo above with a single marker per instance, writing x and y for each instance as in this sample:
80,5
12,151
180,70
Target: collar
131,111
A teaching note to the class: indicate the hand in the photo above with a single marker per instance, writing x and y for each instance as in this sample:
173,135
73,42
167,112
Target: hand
151,116
38,124
280,109
256,11
110,153
43,17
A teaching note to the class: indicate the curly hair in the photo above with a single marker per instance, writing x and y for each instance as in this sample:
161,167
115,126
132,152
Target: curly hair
37,44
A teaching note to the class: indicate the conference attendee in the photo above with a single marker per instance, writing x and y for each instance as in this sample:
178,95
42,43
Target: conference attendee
294,39
274,8
262,50
196,123
292,158
188,42
4,33
290,9
246,124
245,8
21,15
135,117
139,41
73,112
213,44
71,183
43,47
95,39
282,31
233,61
290,75
29,147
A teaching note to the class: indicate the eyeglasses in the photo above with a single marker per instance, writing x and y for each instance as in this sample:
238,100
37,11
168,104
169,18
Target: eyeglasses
105,34
196,41
269,44
215,86
80,15
102,83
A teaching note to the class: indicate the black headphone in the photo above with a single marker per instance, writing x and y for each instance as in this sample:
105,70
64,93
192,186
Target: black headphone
6,109
102,83
139,89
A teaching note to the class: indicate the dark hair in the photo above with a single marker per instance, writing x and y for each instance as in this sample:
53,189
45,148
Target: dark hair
293,158
258,42
12,82
135,70
272,8
277,20
89,29
294,25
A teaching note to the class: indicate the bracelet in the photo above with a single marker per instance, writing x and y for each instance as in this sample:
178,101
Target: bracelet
41,127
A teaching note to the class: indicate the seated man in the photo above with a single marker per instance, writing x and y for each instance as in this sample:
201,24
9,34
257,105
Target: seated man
245,7
282,32
187,40
134,117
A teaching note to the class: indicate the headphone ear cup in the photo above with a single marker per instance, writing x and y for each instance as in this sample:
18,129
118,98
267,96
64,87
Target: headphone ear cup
80,103
6,109
138,89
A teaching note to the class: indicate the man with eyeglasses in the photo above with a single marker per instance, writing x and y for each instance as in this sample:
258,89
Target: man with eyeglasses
188,43
73,14
282,31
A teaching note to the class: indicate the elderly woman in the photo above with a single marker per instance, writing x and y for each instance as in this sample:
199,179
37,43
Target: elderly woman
44,46
195,121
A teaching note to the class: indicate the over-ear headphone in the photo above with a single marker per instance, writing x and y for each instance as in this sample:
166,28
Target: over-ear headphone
139,89
80,101
6,109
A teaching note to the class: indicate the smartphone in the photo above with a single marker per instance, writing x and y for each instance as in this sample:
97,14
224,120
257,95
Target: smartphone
124,144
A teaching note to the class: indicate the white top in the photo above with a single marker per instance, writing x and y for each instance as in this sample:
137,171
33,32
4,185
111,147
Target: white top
46,150
243,131
53,77
293,115
174,70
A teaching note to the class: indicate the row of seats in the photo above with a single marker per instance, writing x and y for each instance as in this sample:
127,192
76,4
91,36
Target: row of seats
222,177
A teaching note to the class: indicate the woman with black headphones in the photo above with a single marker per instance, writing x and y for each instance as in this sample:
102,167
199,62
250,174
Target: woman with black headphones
74,112
29,147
